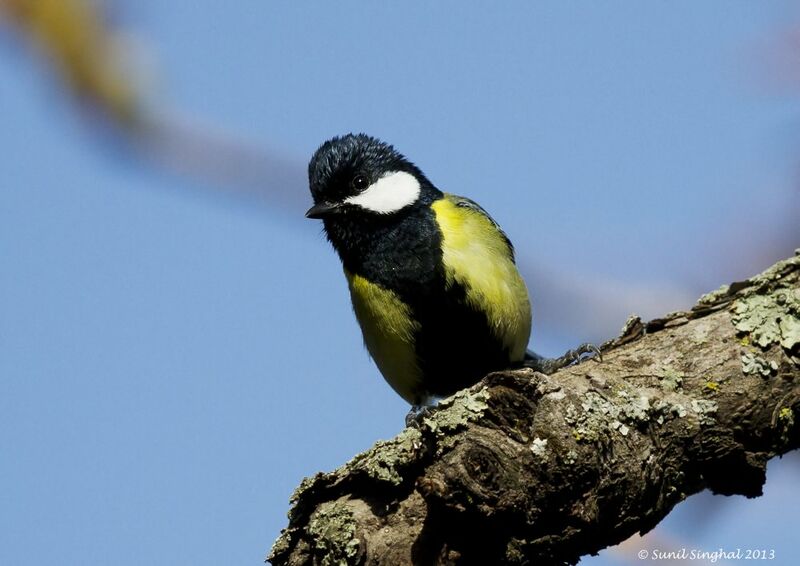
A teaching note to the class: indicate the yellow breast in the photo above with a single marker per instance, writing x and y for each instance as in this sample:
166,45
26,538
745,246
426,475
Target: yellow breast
388,331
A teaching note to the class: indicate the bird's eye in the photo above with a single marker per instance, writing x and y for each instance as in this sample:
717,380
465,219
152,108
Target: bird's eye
360,182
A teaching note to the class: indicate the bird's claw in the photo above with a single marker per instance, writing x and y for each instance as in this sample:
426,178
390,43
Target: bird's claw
584,351
416,414
575,356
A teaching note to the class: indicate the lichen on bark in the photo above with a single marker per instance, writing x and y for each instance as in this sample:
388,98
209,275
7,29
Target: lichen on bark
525,467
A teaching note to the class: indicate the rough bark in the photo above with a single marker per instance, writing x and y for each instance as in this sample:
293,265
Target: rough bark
525,468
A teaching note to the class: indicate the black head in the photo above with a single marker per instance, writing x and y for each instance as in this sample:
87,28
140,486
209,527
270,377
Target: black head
358,175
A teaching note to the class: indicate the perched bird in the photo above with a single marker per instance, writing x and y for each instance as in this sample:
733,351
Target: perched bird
432,277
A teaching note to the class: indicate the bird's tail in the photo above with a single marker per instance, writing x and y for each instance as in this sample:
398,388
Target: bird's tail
531,356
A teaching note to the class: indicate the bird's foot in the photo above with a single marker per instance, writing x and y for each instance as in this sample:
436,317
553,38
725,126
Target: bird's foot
422,409
551,365
416,414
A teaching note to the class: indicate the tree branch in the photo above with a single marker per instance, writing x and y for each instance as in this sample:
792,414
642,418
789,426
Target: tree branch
528,468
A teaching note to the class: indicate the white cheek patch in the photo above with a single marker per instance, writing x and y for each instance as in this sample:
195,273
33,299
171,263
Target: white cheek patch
388,194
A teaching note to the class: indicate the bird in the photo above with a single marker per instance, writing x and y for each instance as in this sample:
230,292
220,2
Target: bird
432,277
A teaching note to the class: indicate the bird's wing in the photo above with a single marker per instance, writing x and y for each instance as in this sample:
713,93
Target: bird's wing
478,256
464,202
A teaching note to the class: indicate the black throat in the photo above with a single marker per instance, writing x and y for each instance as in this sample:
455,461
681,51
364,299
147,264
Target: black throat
401,252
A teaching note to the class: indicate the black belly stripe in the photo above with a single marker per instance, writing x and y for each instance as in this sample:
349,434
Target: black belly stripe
455,345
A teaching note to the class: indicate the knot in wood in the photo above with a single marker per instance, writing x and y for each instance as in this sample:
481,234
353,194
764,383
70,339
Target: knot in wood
479,472
484,468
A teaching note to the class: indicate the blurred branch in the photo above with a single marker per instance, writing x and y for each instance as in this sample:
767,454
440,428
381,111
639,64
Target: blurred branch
90,56
527,468
75,38
223,161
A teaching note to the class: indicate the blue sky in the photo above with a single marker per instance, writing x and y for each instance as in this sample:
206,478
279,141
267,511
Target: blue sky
173,361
